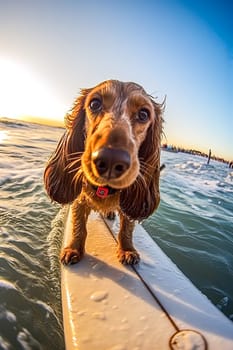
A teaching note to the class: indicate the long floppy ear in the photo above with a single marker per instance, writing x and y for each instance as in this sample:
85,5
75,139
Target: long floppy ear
63,175
140,200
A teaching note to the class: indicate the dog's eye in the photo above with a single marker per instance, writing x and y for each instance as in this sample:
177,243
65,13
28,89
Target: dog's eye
95,105
143,115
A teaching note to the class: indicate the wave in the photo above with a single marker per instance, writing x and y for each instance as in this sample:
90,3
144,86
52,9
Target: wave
13,123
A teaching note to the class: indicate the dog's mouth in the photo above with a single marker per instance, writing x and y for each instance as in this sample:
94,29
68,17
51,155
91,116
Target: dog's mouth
112,185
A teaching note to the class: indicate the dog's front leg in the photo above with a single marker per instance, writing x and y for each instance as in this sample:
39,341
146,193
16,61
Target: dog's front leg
74,251
127,254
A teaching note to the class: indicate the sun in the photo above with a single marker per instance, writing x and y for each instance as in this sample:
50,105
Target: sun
24,93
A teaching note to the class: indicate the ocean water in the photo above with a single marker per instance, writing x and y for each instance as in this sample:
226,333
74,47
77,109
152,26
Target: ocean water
193,225
30,312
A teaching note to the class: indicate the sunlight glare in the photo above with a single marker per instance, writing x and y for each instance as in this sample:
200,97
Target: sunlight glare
25,94
3,136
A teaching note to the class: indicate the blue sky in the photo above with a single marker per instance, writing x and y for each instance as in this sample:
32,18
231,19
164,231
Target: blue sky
179,49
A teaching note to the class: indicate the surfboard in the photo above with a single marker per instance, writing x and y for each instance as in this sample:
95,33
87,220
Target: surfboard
152,305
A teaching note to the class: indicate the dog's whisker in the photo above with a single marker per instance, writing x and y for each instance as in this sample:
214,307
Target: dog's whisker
144,171
141,181
147,166
77,177
73,158
74,167
73,164
75,170
75,154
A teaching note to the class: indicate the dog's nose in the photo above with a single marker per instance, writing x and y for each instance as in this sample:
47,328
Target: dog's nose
111,163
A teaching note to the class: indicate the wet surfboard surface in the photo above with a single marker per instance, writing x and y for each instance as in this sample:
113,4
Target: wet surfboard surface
152,305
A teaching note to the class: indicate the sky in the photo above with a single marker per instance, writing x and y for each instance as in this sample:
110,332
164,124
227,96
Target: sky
178,49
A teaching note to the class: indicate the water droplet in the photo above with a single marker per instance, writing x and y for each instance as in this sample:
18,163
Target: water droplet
99,296
118,347
81,313
143,318
99,316
148,264
98,266
126,296
176,291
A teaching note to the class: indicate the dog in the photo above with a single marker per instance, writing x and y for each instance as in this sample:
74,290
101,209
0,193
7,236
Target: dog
108,160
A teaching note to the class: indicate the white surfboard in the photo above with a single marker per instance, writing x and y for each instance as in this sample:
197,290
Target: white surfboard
110,306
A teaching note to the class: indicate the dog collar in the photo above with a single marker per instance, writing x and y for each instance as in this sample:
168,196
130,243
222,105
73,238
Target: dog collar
103,191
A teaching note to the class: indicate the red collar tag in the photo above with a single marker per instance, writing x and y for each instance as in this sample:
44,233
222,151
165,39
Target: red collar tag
102,192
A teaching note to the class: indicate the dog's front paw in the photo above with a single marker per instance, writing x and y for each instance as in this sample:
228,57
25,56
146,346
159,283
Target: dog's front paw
70,256
128,257
111,215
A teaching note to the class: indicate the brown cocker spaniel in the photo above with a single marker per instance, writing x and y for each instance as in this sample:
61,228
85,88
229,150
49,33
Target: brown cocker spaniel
108,159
